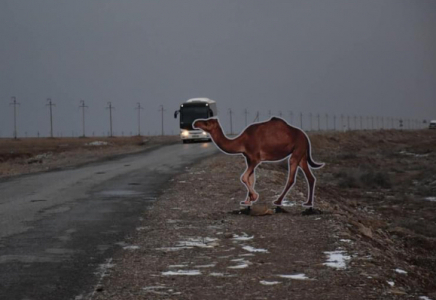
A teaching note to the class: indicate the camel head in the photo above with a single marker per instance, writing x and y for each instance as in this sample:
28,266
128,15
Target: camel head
207,125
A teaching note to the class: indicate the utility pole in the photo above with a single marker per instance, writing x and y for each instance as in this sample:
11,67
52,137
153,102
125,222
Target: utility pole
319,128
301,120
256,119
139,107
326,122
50,105
334,122
348,122
161,109
372,123
15,103
110,107
310,120
83,106
280,113
246,114
361,127
342,121
231,121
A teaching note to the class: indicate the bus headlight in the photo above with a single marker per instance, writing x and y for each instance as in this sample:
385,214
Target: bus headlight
204,133
185,133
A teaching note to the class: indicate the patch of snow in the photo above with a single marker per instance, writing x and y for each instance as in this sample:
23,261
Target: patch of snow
173,248
238,259
240,266
177,266
264,282
433,199
131,247
182,272
399,271
241,263
336,259
424,298
391,283
205,266
243,237
251,249
142,228
345,240
300,276
413,154
97,143
288,203
157,287
199,242
247,254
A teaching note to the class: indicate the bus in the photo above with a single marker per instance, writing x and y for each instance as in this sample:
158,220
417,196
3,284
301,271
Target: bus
191,110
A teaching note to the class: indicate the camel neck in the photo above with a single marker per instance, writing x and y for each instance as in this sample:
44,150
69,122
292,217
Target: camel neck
225,144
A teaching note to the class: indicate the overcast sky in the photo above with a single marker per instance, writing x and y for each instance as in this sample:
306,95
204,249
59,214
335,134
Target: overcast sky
375,58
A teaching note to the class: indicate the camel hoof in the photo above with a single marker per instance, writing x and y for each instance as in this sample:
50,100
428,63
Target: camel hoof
311,211
245,203
277,203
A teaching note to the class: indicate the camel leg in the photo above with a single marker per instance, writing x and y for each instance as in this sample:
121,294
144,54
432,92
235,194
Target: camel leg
310,180
252,182
293,167
249,182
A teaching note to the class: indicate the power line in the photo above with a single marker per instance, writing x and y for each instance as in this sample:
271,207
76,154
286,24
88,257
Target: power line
50,105
15,103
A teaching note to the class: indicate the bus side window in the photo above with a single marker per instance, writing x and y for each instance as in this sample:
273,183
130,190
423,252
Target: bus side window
210,113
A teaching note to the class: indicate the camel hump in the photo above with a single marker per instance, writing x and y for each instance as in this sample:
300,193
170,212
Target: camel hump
276,119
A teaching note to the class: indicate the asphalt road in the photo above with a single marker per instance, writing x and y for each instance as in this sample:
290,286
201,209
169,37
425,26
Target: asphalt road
59,229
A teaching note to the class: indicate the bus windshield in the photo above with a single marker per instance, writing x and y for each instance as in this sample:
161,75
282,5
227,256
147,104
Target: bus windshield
190,114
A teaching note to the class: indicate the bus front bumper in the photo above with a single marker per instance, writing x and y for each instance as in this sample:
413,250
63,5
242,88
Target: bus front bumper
192,135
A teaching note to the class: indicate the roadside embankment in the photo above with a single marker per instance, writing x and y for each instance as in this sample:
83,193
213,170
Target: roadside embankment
372,241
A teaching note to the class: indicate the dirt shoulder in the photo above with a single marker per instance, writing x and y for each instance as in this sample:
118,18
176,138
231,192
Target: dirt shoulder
190,245
33,155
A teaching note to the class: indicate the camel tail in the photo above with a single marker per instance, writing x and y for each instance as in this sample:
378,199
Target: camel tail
310,161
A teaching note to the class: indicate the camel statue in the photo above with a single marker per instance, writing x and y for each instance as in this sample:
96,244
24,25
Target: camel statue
273,140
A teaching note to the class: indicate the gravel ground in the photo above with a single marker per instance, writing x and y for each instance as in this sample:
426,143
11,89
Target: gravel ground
191,246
